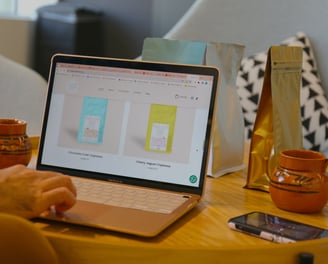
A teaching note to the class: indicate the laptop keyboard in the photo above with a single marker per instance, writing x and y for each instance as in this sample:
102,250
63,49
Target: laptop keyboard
128,197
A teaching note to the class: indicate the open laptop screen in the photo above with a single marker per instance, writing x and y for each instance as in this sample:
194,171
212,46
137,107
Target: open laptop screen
127,121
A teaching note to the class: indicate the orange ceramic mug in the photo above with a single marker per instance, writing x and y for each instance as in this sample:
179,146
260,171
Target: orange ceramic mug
15,145
299,182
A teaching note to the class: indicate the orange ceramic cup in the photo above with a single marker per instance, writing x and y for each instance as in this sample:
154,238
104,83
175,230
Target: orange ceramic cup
299,182
15,145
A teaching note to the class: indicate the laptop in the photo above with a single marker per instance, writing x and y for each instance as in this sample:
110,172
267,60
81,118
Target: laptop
118,125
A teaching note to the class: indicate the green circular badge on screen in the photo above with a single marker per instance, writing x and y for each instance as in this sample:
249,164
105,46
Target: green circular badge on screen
193,178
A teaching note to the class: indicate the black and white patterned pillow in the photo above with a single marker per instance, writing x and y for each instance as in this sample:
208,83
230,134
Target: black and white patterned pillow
314,103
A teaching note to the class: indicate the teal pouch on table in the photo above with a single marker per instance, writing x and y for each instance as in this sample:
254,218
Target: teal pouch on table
227,146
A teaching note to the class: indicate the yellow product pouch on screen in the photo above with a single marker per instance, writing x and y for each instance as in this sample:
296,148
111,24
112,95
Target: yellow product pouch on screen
160,129
278,121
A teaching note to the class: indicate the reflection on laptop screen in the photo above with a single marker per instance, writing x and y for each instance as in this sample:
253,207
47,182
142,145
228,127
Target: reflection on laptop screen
135,123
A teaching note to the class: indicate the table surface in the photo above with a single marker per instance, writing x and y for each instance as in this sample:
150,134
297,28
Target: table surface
201,235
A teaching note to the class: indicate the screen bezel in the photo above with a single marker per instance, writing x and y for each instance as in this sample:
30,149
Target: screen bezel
140,65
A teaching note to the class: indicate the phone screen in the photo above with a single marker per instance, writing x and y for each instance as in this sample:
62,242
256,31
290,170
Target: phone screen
255,222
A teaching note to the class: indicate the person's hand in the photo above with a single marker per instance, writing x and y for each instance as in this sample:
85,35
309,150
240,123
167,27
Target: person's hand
29,193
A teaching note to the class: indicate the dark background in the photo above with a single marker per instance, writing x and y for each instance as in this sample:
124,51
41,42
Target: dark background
127,22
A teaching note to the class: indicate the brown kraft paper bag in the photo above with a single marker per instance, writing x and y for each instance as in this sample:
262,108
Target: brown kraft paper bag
278,121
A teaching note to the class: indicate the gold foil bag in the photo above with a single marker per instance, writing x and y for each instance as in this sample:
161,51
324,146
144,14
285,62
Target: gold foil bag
278,121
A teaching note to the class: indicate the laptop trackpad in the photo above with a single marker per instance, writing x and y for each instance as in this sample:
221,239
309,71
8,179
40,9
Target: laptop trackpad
113,218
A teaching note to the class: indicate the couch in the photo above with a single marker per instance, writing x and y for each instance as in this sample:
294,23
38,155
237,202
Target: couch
23,94
259,24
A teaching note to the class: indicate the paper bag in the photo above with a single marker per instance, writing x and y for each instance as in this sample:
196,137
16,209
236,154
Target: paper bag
278,122
227,146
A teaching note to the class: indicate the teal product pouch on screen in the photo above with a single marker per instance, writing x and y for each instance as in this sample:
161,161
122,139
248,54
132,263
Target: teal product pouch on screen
92,120
227,146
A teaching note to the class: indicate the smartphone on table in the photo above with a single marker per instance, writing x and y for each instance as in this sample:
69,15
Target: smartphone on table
275,228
